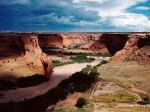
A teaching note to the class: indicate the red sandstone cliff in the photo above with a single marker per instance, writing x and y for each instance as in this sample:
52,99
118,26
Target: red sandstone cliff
35,57
25,53
50,40
110,43
72,39
137,48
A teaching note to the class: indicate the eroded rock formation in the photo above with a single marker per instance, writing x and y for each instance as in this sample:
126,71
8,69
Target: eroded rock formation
50,40
137,48
22,51
72,39
35,57
110,43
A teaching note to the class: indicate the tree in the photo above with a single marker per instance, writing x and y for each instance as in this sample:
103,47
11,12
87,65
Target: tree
81,102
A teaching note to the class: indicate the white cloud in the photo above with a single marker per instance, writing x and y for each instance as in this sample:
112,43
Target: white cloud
107,7
52,17
115,13
55,18
135,22
142,8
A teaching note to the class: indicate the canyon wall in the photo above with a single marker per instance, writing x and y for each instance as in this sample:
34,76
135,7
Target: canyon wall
83,39
122,46
10,45
125,46
50,40
110,43
22,51
137,48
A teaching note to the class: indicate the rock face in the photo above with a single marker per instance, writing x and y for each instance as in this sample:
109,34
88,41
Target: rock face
110,43
10,44
35,57
72,39
60,40
123,46
26,52
137,48
50,40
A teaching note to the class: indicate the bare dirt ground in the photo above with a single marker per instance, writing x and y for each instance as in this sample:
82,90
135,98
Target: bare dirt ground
119,90
130,75
132,78
60,73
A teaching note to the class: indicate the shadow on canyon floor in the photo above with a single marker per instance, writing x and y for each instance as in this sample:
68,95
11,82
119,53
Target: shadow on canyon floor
22,82
78,82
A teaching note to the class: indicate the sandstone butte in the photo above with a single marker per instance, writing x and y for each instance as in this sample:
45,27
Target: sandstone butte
29,46
22,52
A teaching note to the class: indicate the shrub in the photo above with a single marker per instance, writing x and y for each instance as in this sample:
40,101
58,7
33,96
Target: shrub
81,102
144,101
87,69
94,71
81,58
103,62
76,46
31,80
57,63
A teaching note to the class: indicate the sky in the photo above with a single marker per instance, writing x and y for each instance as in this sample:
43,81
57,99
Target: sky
75,15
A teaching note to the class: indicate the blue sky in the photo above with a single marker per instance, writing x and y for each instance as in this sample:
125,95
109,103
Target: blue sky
75,15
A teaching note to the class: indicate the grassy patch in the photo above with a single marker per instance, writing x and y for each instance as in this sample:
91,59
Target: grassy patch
57,63
81,58
120,96
87,108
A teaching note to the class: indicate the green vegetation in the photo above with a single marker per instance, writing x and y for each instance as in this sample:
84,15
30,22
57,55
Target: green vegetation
87,108
87,69
81,58
94,71
22,82
70,108
57,63
102,54
145,101
119,96
78,82
31,80
81,102
103,62
81,81
91,70
77,46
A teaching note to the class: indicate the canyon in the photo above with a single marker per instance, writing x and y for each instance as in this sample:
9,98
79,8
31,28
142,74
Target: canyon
28,54
27,49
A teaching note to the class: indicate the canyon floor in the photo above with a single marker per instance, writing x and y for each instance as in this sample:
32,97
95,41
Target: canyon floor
59,74
121,86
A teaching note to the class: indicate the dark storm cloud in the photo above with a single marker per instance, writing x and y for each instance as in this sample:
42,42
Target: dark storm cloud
35,13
